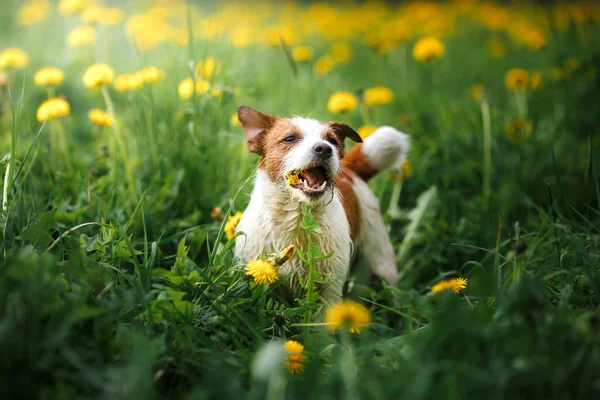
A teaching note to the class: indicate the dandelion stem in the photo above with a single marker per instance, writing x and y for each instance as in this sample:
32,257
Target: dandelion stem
487,147
62,139
6,185
393,211
118,136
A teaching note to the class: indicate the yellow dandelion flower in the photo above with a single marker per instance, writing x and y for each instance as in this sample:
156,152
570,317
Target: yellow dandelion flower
347,313
456,284
302,53
477,92
53,108
294,362
262,271
293,178
285,254
428,48
377,95
202,86
324,65
216,92
100,117
13,58
516,79
186,88
81,35
151,74
406,170
232,223
34,12
496,47
68,7
207,68
366,131
102,15
341,52
235,120
128,82
518,129
573,64
340,102
98,75
536,80
49,76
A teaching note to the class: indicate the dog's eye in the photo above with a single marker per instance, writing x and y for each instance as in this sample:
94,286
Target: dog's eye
333,141
290,139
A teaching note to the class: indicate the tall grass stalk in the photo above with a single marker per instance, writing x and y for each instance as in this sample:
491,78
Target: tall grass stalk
487,146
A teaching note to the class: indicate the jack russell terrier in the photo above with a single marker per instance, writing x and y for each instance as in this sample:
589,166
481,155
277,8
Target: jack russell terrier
303,160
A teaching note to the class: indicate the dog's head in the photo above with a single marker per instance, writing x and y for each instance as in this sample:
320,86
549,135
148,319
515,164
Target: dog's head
299,153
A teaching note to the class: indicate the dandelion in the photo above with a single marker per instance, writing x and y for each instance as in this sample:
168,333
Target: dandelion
456,284
215,213
347,313
31,14
366,131
536,80
341,52
377,95
100,117
285,254
303,53
518,129
102,15
49,76
68,7
262,271
516,79
496,47
294,362
13,58
186,88
216,92
53,108
428,48
151,74
573,64
232,223
128,82
235,120
208,68
202,86
406,167
340,102
476,92
80,36
98,75
293,178
324,65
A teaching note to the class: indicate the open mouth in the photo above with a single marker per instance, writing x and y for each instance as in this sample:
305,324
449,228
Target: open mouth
311,181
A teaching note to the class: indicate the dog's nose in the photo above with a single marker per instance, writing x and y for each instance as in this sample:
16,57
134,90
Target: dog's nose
322,150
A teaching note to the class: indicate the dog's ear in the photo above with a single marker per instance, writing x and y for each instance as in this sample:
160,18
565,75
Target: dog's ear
343,131
255,125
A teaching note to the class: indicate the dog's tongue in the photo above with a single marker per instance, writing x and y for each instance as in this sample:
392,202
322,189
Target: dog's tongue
314,177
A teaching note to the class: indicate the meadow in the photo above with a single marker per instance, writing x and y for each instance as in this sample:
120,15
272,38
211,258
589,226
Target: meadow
124,167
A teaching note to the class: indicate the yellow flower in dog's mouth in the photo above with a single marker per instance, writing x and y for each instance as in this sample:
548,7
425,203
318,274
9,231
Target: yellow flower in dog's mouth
311,181
262,271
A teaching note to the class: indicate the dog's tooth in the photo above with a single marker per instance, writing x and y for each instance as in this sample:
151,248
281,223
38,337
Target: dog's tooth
305,184
323,185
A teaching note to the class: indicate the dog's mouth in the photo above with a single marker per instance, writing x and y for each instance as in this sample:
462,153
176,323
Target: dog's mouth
311,181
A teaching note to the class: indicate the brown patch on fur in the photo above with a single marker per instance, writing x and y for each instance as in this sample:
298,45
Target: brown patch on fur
276,149
344,131
358,162
344,182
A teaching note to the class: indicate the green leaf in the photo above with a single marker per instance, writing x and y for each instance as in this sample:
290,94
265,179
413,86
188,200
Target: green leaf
309,223
38,233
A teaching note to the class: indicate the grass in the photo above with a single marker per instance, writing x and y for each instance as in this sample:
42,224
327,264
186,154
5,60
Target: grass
116,281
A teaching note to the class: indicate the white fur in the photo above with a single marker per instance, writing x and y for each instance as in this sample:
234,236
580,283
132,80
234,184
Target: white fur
386,148
272,222
373,242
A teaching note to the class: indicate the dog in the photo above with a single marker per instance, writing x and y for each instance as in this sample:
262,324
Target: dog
303,161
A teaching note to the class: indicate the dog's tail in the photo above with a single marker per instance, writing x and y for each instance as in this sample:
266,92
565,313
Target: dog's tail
386,148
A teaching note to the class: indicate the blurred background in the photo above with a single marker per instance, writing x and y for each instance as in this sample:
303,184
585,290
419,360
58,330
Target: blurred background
124,166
